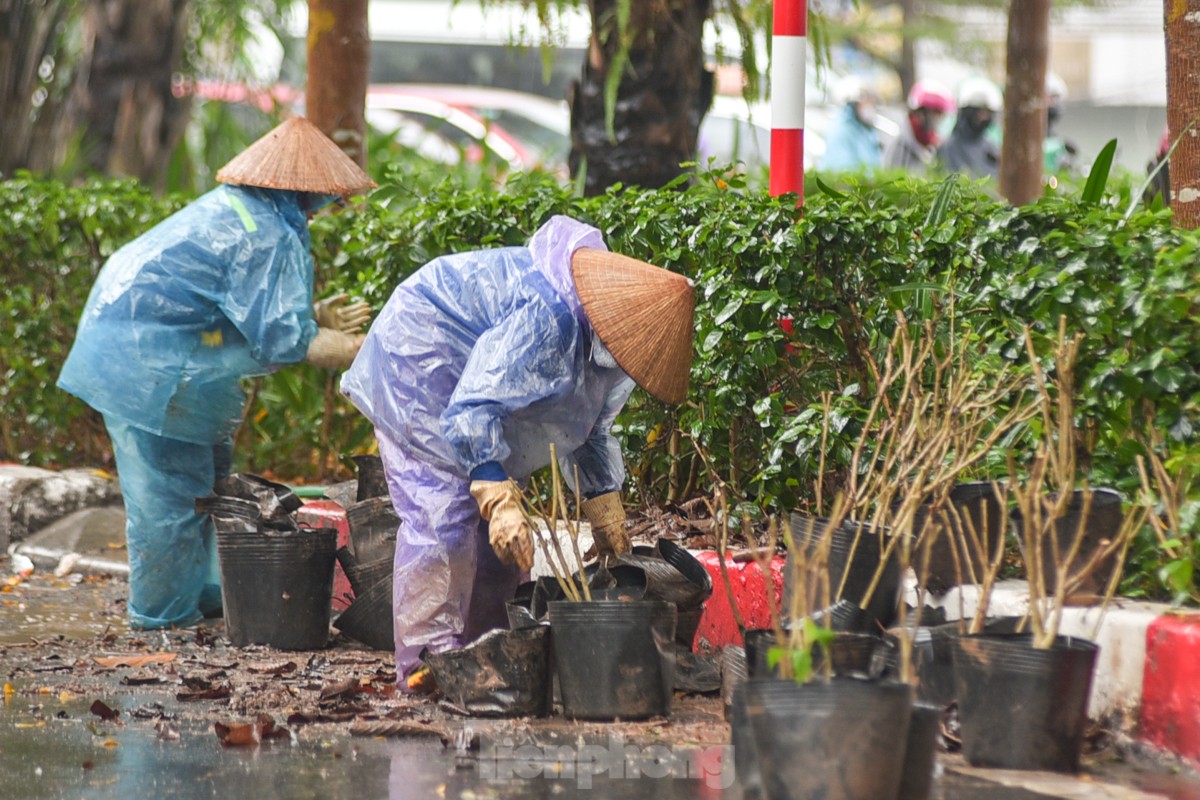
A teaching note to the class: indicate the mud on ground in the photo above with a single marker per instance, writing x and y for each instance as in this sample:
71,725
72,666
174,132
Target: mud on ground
66,640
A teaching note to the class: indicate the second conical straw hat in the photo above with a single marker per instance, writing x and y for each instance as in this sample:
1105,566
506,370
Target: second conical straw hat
644,316
296,155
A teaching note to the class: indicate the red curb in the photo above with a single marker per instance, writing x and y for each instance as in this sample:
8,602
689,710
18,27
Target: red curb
718,627
1171,686
328,514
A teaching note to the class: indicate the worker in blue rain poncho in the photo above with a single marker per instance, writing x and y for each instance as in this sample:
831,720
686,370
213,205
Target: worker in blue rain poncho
477,363
220,290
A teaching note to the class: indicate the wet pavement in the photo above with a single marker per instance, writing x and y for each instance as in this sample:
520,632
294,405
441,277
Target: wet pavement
55,742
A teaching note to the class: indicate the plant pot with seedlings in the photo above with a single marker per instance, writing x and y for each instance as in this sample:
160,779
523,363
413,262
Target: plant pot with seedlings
1023,696
799,732
614,658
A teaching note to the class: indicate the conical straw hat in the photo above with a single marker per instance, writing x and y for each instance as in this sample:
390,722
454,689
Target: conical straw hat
297,156
643,315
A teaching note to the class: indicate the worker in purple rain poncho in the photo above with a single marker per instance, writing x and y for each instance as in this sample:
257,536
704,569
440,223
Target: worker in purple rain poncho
221,290
478,362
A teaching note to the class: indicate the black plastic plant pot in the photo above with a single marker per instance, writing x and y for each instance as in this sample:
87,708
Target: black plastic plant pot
975,512
1021,707
734,671
855,553
277,589
850,653
614,659
932,662
373,526
1102,523
275,500
229,507
920,752
838,740
500,674
369,618
519,615
372,481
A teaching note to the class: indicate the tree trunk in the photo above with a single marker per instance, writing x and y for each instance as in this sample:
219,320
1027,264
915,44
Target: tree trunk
1182,24
132,120
663,94
908,56
339,51
34,83
1021,161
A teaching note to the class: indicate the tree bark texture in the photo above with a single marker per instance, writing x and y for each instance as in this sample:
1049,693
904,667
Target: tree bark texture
1182,25
339,51
663,94
1021,161
131,119
34,84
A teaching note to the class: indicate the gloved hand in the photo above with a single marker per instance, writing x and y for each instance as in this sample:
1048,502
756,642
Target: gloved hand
607,516
333,313
332,349
508,529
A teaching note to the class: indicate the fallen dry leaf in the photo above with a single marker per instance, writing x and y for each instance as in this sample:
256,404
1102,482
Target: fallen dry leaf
341,689
104,711
215,693
272,669
134,660
387,727
248,734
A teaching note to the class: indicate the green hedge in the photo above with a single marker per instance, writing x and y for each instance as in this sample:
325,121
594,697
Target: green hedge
839,268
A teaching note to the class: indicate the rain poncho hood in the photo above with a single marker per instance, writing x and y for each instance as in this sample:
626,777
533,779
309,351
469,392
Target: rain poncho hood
218,291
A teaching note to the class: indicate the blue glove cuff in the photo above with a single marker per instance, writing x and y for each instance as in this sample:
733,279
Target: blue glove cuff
489,471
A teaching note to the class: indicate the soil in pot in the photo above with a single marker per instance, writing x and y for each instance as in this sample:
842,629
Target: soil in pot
1021,707
500,674
614,659
277,588
838,740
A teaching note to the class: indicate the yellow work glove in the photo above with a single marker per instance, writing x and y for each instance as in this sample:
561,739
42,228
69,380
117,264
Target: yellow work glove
607,516
508,529
333,313
332,349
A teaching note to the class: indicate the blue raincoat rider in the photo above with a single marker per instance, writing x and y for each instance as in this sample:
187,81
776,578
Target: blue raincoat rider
477,363
220,290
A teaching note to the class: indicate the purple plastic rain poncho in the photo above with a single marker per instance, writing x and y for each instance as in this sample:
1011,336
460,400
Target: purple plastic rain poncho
481,357
218,291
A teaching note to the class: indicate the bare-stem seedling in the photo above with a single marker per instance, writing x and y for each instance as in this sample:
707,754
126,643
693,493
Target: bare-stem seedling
544,517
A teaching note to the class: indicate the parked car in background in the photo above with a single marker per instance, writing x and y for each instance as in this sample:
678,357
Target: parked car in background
450,123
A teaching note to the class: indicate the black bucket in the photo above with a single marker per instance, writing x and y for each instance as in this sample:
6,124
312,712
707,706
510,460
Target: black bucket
855,551
369,618
1021,707
500,674
920,752
975,512
1104,518
849,653
229,508
614,659
373,525
838,740
276,590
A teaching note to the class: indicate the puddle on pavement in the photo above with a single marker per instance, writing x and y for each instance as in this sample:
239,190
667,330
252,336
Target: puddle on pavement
42,606
52,747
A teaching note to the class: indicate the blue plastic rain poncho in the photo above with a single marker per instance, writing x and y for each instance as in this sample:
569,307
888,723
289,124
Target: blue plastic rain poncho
851,145
218,291
481,358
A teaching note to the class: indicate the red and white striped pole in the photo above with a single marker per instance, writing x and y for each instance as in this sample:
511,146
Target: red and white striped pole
789,57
